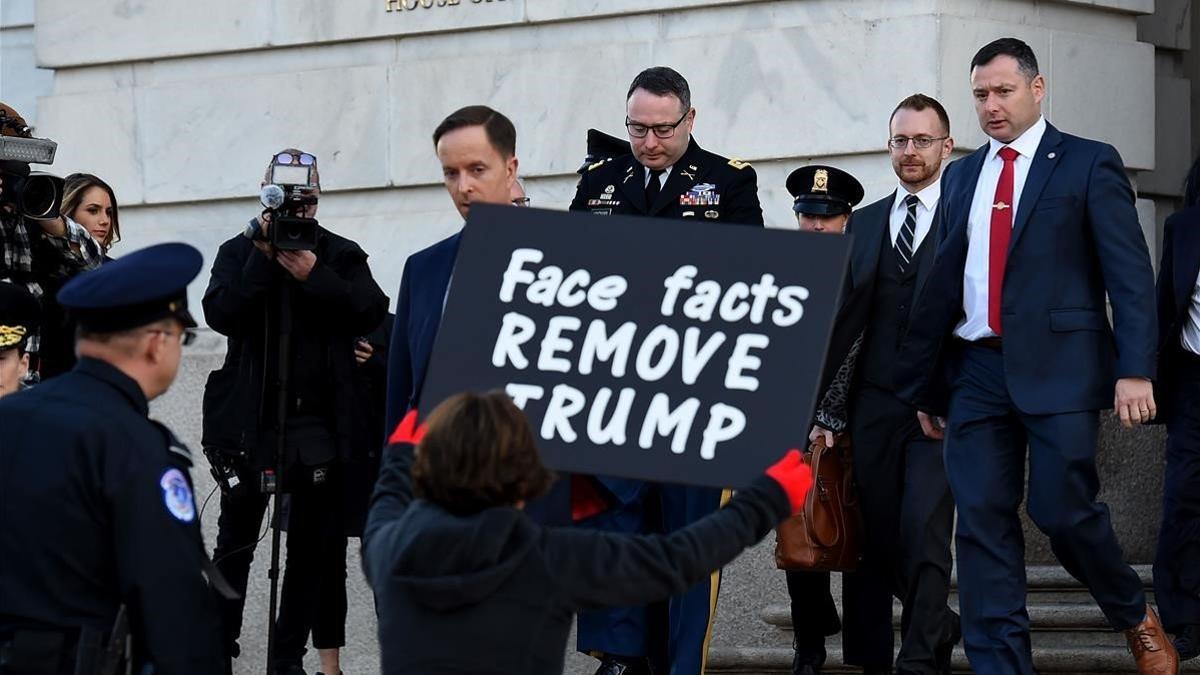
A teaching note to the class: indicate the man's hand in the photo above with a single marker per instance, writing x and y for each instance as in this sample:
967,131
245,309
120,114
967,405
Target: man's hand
264,245
298,263
819,431
363,351
933,427
1134,401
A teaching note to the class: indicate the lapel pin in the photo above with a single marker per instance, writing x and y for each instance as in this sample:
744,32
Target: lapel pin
1050,156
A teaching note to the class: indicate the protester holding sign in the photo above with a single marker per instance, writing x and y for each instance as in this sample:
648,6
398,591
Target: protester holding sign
462,563
667,175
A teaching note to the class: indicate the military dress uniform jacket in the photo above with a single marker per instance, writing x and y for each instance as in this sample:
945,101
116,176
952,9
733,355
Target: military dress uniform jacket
701,186
96,511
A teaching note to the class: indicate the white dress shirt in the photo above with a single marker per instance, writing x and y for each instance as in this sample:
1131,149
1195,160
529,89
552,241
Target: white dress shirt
662,178
1190,335
979,225
927,200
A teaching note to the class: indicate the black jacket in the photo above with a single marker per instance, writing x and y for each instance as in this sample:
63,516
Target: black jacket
508,588
696,181
97,510
1177,273
339,303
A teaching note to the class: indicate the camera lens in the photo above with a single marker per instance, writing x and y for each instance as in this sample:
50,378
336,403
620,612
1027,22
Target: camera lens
38,196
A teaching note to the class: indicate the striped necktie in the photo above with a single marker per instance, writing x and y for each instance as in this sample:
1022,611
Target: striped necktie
904,240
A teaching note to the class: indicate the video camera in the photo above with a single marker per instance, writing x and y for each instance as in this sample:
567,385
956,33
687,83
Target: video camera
34,194
291,189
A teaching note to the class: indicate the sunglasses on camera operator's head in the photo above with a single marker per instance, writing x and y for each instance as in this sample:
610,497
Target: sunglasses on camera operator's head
301,158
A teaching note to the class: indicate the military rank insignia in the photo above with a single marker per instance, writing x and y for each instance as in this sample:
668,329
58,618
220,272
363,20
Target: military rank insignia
702,194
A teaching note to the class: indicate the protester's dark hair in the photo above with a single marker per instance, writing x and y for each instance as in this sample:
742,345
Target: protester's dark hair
1008,46
663,81
921,102
74,186
478,452
1191,185
500,130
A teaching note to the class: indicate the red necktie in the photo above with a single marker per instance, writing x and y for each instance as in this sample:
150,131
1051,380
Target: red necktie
1001,233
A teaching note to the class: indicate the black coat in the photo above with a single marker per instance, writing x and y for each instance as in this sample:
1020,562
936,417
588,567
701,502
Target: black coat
96,510
339,303
495,593
619,186
1177,272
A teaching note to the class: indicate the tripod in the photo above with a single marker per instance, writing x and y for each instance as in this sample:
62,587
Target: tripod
281,413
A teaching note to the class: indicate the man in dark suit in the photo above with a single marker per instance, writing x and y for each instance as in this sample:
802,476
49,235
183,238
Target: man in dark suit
907,508
1036,226
1177,564
667,175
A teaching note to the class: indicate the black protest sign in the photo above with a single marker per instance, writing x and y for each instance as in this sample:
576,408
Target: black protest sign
674,351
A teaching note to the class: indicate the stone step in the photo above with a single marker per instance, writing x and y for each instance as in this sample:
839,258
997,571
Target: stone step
1057,660
1054,624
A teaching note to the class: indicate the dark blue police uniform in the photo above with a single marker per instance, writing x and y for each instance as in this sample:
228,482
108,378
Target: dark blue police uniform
96,506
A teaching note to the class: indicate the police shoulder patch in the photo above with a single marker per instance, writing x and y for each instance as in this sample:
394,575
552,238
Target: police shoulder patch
177,495
738,164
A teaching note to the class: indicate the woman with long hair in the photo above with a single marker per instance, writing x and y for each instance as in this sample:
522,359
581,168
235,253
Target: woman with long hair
91,202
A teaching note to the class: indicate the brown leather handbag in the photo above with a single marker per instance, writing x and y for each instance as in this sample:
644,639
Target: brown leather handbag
827,534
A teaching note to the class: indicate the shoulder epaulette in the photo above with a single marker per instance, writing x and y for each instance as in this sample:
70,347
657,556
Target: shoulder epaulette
598,164
738,164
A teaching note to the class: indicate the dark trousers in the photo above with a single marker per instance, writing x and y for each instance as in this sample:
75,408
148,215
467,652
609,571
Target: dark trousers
313,596
679,647
987,442
867,604
908,519
1177,563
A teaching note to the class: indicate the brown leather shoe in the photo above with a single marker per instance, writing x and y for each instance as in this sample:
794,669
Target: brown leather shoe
1152,651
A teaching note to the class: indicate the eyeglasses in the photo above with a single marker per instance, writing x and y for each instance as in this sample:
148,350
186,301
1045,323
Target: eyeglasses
303,159
920,142
521,201
639,130
189,335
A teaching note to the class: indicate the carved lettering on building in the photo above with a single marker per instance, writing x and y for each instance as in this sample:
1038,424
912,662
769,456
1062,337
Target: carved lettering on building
410,5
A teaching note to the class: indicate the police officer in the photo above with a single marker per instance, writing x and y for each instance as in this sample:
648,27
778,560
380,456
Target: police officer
823,197
667,175
99,533
19,312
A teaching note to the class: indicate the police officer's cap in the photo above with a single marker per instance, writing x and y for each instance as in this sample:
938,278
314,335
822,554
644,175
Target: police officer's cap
820,190
601,146
19,312
135,290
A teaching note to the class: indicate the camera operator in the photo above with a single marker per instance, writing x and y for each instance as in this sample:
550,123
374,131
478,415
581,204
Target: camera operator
292,272
39,249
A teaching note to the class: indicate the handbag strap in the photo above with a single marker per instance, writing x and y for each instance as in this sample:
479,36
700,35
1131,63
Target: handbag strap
817,452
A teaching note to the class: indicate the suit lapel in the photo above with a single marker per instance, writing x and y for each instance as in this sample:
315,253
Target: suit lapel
677,182
926,261
1044,161
632,184
433,301
869,237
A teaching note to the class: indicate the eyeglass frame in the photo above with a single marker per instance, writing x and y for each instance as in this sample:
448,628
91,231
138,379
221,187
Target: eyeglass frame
629,123
187,335
298,157
521,201
917,142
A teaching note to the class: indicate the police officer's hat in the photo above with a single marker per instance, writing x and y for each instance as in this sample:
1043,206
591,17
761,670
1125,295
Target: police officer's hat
823,190
19,312
135,290
601,146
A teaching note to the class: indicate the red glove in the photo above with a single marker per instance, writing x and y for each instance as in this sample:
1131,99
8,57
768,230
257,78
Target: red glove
407,431
794,476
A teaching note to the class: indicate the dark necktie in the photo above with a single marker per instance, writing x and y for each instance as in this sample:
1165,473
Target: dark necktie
907,234
653,187
1001,233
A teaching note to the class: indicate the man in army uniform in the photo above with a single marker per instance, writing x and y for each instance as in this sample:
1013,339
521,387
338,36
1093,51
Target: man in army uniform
99,532
667,175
